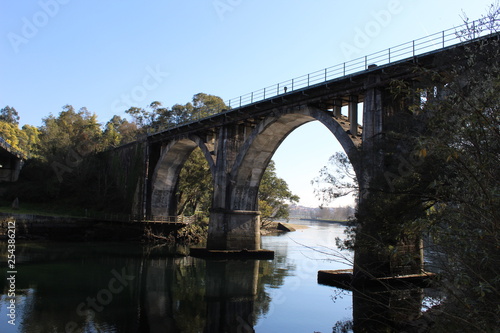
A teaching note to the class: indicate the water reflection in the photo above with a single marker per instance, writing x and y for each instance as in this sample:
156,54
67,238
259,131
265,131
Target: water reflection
231,291
119,287
131,288
385,311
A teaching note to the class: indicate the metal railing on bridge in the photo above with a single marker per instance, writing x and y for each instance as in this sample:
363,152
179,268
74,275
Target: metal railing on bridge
434,42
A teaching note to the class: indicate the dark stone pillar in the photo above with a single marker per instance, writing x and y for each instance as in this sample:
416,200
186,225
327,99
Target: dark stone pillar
382,247
337,108
234,230
231,228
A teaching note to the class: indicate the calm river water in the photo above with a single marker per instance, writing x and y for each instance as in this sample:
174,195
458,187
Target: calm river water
120,287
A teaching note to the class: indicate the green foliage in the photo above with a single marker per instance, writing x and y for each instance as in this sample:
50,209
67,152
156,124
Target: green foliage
194,191
25,140
75,133
155,118
465,145
9,115
11,133
274,195
337,179
118,132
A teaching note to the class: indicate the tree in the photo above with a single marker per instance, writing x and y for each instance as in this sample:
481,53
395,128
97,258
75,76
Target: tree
205,105
156,118
465,220
274,195
31,142
9,115
152,119
24,140
450,130
337,179
118,132
195,186
70,136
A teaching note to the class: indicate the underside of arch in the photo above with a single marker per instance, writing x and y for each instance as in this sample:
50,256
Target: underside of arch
166,174
263,143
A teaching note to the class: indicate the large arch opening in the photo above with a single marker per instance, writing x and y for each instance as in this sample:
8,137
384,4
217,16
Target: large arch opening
263,143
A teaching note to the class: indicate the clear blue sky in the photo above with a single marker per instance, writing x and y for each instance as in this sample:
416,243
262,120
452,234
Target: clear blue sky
110,55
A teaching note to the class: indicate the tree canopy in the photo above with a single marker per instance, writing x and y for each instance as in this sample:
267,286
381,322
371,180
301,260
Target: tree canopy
9,115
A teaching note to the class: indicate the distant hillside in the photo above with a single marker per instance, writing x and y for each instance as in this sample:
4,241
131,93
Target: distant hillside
327,213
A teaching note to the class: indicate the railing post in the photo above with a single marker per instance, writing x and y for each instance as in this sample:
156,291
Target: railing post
292,84
240,101
326,74
366,62
413,48
277,89
264,93
389,49
251,98
344,68
443,39
308,75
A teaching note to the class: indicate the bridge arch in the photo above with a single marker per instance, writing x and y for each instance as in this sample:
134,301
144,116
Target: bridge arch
167,170
263,142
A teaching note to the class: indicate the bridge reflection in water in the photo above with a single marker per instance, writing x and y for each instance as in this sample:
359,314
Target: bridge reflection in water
231,290
74,285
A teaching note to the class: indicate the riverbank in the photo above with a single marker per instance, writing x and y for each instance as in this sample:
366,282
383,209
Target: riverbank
274,227
63,228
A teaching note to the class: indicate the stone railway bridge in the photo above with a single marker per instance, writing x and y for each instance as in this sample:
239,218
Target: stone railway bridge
239,143
238,146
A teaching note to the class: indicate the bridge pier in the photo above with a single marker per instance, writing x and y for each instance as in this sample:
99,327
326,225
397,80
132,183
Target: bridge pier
353,114
383,247
337,108
234,230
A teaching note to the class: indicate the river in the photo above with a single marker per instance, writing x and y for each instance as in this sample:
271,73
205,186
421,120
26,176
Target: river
122,287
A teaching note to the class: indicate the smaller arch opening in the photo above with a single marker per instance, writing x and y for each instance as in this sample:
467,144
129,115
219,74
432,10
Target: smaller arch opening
194,189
